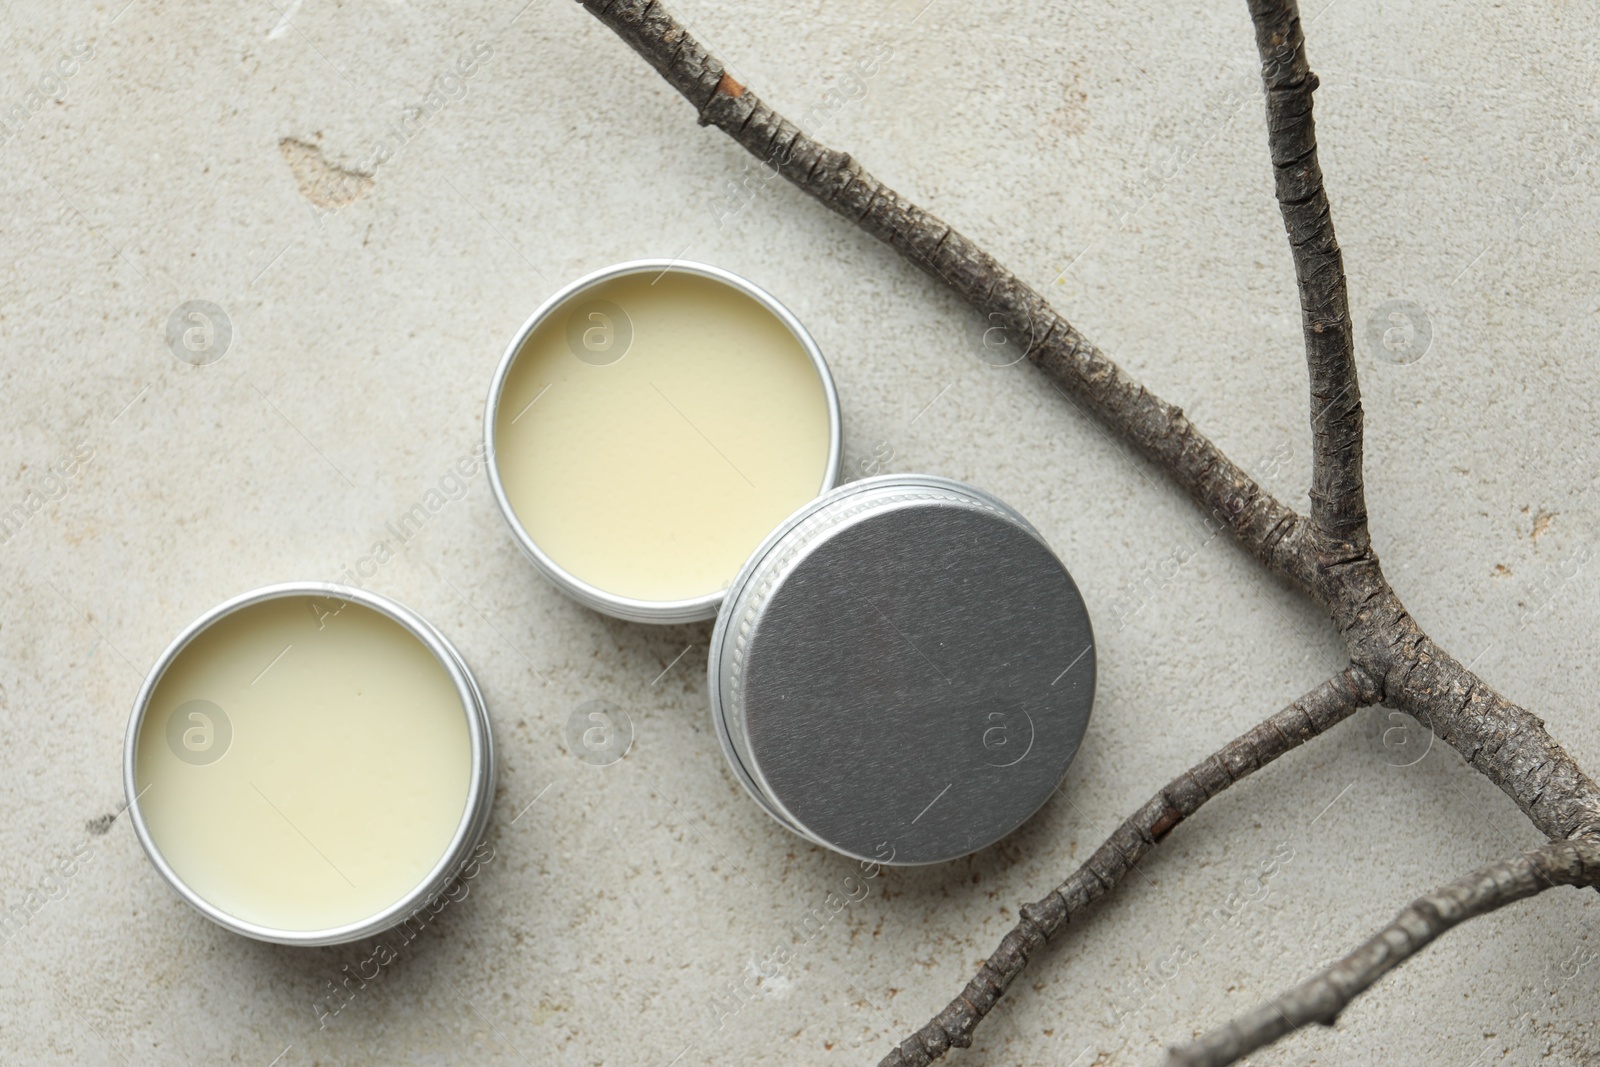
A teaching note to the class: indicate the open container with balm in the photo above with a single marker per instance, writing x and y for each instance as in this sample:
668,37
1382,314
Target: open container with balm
901,669
648,426
309,764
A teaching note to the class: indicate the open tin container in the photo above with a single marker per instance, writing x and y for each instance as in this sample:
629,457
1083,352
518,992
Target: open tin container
184,749
590,340
901,669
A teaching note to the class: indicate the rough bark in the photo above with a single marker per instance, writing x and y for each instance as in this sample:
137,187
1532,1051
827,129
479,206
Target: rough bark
1504,741
1327,555
1338,504
1321,998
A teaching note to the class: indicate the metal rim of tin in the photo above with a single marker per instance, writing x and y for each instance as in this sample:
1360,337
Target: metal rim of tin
634,610
736,617
480,786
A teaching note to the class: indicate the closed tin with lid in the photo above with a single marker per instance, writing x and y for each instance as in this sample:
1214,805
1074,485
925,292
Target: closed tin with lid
902,671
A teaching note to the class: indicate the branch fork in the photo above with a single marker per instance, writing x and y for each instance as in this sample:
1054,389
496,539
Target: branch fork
1327,554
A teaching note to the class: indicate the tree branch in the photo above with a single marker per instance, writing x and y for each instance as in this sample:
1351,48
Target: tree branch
1338,502
1267,528
1328,704
1329,557
1322,998
1505,742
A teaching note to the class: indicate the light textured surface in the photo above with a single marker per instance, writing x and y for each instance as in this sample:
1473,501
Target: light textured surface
1112,153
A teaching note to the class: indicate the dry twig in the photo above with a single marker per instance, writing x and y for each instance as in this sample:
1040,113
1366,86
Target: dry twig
1325,706
1328,554
1322,998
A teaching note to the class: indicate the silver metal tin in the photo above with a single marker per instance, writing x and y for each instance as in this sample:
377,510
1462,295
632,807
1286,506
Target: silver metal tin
903,671
474,818
621,607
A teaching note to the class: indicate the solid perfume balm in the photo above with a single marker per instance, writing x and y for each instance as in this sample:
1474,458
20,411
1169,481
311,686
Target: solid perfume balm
650,426
304,763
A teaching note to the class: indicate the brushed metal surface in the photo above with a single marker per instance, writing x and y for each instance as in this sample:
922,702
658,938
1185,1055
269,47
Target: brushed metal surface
904,671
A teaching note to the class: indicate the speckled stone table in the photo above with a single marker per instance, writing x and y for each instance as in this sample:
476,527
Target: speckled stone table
369,199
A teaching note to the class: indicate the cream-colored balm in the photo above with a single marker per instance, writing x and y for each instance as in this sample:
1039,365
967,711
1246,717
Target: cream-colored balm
303,765
654,429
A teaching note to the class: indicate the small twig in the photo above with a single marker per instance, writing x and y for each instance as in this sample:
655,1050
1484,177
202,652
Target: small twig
1338,503
1319,710
1322,998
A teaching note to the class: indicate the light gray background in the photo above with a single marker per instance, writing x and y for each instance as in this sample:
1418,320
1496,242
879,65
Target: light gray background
1458,142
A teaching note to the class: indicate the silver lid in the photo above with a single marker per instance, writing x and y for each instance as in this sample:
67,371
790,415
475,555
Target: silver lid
902,671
